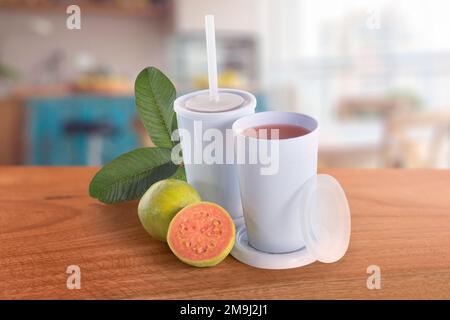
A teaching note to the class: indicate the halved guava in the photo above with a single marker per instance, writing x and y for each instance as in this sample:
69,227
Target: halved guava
201,234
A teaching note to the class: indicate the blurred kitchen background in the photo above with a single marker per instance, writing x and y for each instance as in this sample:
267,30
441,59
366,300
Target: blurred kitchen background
375,73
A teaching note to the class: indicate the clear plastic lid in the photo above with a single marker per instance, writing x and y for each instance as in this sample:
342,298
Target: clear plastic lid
325,226
325,218
233,104
203,103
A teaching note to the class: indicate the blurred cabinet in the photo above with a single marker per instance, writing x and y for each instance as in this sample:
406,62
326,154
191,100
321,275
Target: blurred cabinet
79,130
137,8
230,15
237,59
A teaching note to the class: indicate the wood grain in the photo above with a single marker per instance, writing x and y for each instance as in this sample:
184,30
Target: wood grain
12,114
400,222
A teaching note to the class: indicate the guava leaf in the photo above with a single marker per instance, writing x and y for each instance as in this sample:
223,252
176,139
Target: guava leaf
180,174
128,176
155,94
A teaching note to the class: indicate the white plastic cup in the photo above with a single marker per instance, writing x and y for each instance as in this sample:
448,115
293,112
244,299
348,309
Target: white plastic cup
215,182
271,203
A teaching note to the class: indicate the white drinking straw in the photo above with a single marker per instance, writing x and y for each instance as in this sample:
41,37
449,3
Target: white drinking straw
212,60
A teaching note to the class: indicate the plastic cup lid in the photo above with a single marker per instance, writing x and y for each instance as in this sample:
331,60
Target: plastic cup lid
202,103
325,218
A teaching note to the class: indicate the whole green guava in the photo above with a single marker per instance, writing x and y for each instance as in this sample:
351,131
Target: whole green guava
161,202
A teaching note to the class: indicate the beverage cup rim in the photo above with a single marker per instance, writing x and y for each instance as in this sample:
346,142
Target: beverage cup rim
238,127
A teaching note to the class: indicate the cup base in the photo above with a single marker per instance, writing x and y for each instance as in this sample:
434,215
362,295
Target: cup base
245,253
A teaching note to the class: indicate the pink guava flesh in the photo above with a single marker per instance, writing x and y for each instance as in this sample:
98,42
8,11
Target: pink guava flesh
201,234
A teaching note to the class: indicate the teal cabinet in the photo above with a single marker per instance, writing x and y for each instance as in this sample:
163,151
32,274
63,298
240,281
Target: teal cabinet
79,130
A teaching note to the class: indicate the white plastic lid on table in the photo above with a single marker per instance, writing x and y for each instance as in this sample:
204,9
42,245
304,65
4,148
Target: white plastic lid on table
325,226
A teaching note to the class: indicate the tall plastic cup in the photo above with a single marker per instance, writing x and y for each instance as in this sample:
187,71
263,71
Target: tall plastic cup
206,122
272,202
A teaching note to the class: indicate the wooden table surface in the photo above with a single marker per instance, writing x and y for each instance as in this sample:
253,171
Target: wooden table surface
400,222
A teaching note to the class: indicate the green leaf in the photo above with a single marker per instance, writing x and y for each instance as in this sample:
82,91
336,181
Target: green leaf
155,95
128,176
180,174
